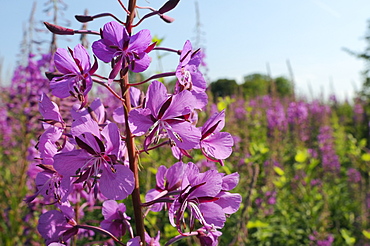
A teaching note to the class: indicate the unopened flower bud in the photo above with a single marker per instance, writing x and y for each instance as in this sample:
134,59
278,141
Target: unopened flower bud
59,29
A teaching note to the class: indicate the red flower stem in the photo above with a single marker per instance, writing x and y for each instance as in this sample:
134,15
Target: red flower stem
156,76
130,141
100,230
168,49
109,89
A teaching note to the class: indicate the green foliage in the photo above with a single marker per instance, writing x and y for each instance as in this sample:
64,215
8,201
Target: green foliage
223,88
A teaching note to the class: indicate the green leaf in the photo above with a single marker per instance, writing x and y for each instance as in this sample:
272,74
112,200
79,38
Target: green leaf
256,224
279,171
349,240
301,156
365,157
366,234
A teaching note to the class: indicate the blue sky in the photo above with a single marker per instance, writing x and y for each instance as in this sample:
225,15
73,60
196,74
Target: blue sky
241,36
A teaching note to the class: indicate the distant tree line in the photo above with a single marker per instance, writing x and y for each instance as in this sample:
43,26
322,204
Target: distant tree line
253,85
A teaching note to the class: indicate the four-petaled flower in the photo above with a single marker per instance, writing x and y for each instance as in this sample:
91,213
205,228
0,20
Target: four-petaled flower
165,114
215,145
76,71
129,52
115,219
97,159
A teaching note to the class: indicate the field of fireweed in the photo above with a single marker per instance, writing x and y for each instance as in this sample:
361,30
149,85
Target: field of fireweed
119,159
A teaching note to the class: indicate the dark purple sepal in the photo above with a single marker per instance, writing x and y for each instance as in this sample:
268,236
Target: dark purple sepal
84,18
59,29
168,6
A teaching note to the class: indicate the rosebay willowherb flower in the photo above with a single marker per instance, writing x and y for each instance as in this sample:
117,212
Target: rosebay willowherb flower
88,159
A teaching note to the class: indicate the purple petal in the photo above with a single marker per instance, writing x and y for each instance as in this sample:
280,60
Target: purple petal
83,125
80,54
150,196
48,109
134,241
160,177
117,185
140,121
218,146
142,64
212,186
186,51
109,210
213,214
102,51
119,115
156,96
113,139
61,87
113,227
213,120
229,202
175,174
140,41
230,181
68,163
185,135
115,33
182,104
64,62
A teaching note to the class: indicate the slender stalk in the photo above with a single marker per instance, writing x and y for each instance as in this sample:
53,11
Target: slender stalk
100,230
130,142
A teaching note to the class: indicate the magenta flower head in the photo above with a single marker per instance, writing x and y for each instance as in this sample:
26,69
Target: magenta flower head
205,198
97,159
215,145
51,185
166,114
168,180
115,219
76,73
129,52
208,236
56,226
152,241
189,77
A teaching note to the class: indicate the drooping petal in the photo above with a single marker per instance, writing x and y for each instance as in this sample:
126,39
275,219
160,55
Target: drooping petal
230,181
218,146
141,65
117,185
213,214
229,202
48,109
